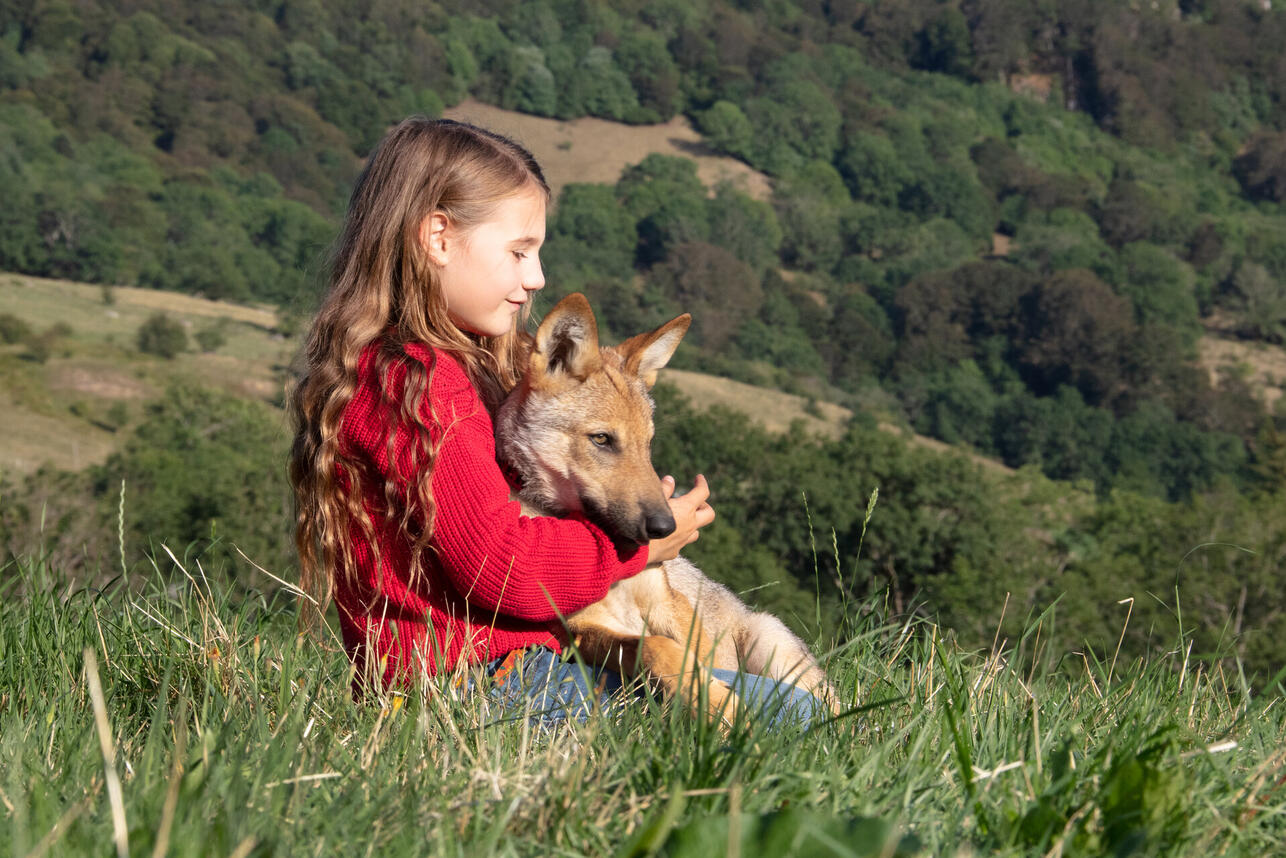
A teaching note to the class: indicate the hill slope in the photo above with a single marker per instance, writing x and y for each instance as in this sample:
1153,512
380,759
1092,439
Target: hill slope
597,150
69,408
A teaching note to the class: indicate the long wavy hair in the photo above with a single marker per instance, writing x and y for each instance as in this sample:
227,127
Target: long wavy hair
384,289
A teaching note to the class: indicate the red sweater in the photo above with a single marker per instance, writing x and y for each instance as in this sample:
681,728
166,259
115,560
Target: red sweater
493,580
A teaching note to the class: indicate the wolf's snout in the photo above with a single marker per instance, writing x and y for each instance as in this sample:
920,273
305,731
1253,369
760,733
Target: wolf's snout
659,525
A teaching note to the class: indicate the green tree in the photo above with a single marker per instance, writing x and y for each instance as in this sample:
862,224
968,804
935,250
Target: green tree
598,87
214,337
944,44
1079,334
1261,167
873,169
13,329
718,289
531,87
591,233
795,121
727,129
204,465
745,227
1258,301
1161,288
668,203
652,71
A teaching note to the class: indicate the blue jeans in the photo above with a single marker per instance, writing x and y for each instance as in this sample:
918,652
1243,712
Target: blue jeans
557,688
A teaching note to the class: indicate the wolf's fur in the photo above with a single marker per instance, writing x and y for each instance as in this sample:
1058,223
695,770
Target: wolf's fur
578,430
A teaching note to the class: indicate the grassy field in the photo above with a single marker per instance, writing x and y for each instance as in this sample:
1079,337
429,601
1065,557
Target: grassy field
168,721
165,717
597,150
59,410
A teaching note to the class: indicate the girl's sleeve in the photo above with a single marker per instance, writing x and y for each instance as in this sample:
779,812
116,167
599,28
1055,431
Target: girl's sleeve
534,568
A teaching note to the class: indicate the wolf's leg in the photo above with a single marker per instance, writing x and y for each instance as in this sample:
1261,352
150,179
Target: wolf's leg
768,648
665,663
681,675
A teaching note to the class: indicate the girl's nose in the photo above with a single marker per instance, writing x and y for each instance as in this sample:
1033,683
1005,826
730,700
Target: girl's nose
536,280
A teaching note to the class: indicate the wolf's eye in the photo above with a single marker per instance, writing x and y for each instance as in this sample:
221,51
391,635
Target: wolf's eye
600,439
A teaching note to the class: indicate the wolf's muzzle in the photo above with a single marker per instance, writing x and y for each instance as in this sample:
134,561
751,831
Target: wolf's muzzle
659,525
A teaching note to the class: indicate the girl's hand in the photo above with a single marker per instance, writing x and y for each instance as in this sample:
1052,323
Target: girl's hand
691,513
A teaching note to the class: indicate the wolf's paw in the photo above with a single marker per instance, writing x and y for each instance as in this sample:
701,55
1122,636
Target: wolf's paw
722,704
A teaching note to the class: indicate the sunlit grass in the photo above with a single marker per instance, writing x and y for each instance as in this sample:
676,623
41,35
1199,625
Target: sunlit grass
233,734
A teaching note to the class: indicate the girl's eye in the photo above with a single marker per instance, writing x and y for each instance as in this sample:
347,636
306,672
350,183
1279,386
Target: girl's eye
518,254
600,439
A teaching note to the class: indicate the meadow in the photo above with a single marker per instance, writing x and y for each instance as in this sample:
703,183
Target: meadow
1048,237
163,717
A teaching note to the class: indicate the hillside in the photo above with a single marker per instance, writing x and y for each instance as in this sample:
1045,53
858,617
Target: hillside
56,408
1003,221
595,150
1034,231
75,406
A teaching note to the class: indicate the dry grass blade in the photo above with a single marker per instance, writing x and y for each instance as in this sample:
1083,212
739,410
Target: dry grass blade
64,822
291,587
114,796
243,848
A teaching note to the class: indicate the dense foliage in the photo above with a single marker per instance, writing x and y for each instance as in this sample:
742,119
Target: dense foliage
173,145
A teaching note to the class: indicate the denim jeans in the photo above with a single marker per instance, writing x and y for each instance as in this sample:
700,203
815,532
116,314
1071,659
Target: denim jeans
557,688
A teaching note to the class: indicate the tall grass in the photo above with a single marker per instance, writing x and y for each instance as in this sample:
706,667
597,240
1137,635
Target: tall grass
230,734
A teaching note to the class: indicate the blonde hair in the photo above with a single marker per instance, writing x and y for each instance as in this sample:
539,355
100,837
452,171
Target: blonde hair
383,288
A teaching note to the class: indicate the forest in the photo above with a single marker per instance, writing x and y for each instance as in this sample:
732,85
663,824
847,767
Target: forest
1005,224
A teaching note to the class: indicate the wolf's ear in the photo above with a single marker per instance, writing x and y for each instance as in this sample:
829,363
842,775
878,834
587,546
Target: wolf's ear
647,353
567,339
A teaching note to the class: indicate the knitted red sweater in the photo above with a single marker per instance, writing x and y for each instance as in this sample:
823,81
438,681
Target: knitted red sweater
494,580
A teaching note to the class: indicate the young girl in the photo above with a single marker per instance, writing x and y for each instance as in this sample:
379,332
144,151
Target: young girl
404,516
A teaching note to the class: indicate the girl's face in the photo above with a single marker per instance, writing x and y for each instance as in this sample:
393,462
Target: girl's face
488,272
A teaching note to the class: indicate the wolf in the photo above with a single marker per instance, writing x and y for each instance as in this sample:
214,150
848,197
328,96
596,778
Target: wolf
577,430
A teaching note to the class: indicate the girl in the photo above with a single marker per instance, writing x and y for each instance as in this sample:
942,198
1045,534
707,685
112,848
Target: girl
404,517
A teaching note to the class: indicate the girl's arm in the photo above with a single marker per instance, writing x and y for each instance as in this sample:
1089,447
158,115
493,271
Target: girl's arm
499,560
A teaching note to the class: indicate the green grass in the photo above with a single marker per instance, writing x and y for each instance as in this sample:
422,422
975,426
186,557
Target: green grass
230,733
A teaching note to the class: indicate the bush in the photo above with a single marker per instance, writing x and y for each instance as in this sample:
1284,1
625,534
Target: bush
39,349
213,338
12,329
162,336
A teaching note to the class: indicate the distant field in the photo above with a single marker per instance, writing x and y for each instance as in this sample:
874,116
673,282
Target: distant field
60,411
772,409
596,150
1263,365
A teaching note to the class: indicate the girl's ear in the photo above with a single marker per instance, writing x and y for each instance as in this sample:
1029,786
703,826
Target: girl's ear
435,237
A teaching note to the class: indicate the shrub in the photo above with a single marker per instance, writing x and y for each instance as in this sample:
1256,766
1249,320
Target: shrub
12,329
213,338
160,335
39,349
118,414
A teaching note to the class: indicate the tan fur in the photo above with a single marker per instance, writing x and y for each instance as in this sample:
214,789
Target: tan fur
670,622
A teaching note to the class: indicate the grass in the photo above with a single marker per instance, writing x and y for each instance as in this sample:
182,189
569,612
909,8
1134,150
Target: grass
230,734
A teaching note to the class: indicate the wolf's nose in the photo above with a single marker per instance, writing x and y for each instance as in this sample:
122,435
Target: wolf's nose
659,525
